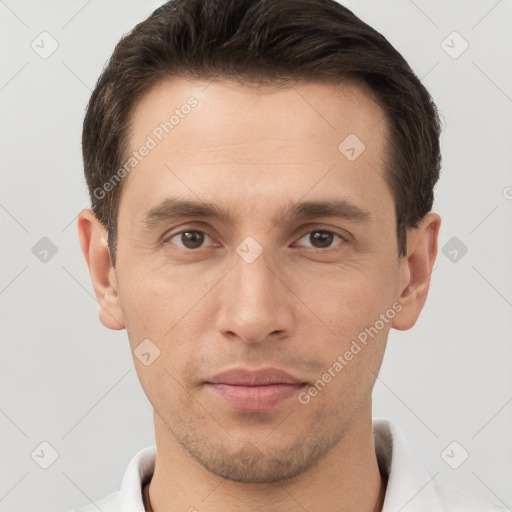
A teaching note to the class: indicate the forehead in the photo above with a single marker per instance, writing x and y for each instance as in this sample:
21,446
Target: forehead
224,137
297,110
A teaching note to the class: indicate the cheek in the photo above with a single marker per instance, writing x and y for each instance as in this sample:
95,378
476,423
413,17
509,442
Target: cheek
154,300
164,386
350,368
350,304
162,314
346,298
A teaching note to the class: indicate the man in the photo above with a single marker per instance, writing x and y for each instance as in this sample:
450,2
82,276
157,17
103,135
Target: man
261,175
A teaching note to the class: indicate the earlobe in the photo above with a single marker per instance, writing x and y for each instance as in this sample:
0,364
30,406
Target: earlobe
93,241
416,270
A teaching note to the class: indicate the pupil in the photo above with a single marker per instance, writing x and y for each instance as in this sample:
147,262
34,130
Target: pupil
192,239
321,238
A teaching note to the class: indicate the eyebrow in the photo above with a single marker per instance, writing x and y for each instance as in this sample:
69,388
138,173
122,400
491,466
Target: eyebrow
173,208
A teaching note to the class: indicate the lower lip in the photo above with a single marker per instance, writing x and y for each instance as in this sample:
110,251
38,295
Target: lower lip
254,398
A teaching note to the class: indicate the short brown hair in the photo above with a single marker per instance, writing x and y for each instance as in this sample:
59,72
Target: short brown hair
263,42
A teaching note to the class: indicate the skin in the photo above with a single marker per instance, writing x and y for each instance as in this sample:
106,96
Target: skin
257,151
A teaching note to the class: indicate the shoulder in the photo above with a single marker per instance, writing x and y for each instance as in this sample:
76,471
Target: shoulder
407,476
129,497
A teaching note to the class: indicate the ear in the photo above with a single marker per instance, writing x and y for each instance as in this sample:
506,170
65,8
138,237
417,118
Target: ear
416,269
93,241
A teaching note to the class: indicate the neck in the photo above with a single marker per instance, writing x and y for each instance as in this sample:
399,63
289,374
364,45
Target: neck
346,479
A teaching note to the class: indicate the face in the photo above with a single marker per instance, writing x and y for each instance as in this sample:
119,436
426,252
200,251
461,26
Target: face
287,260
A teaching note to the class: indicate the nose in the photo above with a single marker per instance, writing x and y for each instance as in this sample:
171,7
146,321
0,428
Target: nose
255,302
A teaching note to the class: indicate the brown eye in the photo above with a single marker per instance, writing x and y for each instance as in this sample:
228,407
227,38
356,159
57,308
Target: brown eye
189,239
321,238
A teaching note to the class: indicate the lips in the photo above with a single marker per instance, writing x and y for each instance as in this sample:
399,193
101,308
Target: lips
254,390
260,377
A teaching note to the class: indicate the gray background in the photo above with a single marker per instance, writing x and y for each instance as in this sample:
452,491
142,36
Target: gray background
68,381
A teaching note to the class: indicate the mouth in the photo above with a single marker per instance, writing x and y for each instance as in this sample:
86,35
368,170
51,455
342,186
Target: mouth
254,390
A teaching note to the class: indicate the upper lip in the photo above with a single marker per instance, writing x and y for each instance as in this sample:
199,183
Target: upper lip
258,377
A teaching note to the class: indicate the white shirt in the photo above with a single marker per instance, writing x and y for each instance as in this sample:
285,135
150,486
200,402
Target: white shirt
410,487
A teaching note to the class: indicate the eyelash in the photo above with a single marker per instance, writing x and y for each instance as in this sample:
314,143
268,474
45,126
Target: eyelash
344,238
